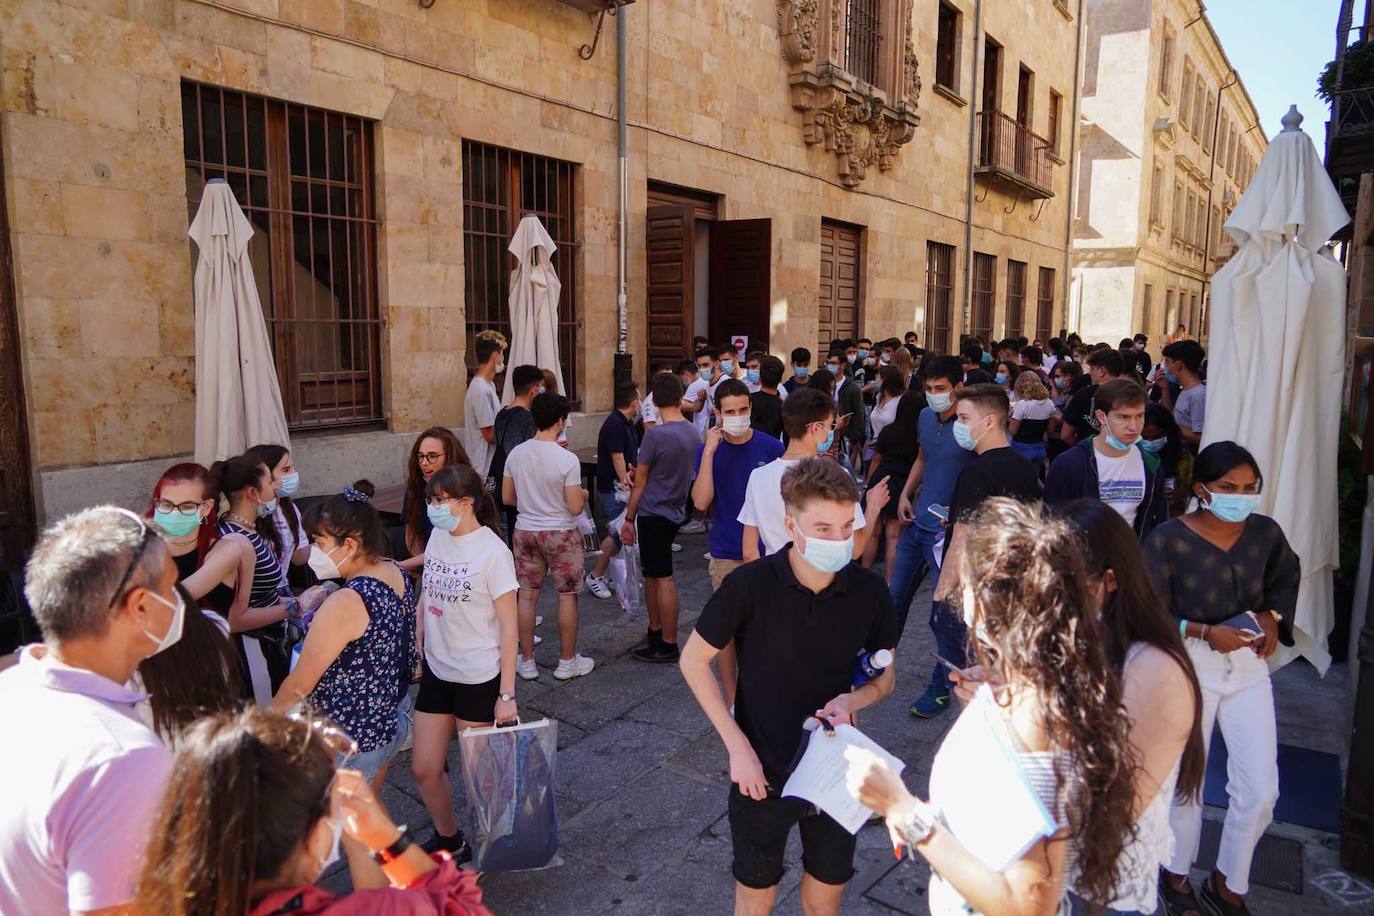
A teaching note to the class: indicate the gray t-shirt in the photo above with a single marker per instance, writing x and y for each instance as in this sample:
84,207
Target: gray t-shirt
1190,408
669,452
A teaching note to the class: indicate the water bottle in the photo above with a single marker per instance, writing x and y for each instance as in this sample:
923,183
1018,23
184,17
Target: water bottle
870,665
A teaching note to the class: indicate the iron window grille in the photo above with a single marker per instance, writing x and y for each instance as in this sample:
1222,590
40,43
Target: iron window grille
1016,298
1044,305
984,291
862,38
939,296
303,177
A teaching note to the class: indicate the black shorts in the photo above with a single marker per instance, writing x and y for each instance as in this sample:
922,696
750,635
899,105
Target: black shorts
469,702
759,829
656,536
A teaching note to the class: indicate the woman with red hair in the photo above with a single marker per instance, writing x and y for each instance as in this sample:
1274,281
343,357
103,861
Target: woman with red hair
185,508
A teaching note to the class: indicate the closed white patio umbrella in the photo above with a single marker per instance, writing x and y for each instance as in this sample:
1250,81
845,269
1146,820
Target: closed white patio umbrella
534,294
1276,361
238,400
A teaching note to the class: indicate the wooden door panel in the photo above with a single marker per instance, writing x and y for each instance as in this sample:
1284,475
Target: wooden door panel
838,309
741,279
670,308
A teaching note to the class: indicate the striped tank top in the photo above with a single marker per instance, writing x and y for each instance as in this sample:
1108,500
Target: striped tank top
268,586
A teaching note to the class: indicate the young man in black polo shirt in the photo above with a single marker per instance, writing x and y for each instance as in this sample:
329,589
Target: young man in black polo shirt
798,618
617,447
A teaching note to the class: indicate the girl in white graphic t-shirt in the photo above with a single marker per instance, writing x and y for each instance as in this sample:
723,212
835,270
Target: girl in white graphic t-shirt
467,633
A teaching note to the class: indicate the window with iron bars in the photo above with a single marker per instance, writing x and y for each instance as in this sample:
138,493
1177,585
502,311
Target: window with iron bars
939,296
303,177
1044,305
984,292
863,38
1016,298
500,186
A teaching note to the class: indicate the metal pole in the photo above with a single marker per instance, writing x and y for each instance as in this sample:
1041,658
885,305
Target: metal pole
1357,809
624,362
1207,215
1081,25
972,164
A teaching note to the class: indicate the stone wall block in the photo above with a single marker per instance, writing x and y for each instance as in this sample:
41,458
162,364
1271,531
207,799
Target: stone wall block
400,153
52,328
69,34
159,106
325,15
104,213
176,325
62,437
150,381
125,432
93,94
222,27
403,244
363,22
350,96
157,14
67,385
25,82
288,64
346,60
119,327
37,207
403,74
243,70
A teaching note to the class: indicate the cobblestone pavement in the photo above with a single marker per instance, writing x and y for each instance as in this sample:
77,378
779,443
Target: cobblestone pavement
642,781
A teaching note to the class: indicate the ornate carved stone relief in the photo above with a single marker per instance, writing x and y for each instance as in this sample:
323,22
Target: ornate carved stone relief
862,125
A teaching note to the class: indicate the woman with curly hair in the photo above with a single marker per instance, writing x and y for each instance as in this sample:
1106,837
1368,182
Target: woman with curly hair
1051,700
435,449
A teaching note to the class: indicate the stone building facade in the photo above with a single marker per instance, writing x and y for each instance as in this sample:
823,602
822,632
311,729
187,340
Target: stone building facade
798,170
1170,140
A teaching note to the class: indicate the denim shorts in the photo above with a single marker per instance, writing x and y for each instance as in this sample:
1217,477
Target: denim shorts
370,763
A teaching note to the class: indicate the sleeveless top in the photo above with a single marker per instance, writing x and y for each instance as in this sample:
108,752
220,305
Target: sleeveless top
1152,846
1040,770
219,598
268,586
361,689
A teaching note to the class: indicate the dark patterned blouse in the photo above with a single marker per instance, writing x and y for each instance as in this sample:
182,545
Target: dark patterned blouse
1205,584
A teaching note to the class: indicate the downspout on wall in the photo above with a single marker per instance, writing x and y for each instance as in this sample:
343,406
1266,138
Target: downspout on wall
624,365
1067,295
974,98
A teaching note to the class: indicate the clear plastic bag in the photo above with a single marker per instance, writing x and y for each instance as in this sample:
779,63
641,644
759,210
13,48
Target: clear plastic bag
508,773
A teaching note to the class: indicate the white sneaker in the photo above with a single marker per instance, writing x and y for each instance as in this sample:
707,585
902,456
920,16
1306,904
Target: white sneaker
525,667
707,556
538,620
695,526
569,668
538,639
597,586
677,548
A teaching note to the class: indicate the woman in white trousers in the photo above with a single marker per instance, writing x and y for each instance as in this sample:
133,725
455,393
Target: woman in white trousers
1232,582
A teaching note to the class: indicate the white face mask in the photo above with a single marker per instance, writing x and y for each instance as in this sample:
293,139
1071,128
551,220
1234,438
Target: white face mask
173,634
336,825
322,564
734,426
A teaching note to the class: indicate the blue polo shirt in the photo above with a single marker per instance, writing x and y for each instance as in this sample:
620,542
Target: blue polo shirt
944,459
617,435
730,469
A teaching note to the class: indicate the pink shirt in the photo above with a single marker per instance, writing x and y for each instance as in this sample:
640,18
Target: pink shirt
446,891
83,779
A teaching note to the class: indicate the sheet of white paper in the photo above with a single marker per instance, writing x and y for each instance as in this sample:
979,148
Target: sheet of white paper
1001,819
819,776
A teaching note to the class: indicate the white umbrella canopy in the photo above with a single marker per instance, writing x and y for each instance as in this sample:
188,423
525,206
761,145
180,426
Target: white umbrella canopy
1276,361
534,294
238,400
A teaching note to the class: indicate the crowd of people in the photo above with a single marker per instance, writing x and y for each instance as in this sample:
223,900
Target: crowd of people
225,679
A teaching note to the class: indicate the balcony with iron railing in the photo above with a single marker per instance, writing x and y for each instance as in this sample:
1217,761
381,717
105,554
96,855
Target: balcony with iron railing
1347,82
1012,153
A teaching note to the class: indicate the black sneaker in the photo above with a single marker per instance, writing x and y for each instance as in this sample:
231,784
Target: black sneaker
652,638
456,846
1213,904
663,652
1177,902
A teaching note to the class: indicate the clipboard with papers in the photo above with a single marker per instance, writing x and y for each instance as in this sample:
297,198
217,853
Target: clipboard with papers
819,776
982,792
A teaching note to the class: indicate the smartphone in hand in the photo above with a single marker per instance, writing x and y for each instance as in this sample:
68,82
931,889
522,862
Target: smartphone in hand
939,512
965,673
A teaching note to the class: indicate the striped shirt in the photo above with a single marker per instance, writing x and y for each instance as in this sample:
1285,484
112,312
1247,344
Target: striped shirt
267,576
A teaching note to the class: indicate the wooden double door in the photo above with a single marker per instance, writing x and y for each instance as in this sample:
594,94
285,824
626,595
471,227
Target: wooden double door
738,279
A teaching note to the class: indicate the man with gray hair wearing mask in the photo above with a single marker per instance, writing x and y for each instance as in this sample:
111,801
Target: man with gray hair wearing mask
83,774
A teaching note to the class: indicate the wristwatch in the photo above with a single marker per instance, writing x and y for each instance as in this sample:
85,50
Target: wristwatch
394,851
918,825
507,697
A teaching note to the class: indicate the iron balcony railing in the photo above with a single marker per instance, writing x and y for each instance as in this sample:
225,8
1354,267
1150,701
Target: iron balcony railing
1016,153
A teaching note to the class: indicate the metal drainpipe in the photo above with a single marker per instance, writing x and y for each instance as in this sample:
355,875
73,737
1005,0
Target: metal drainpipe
1073,178
972,164
624,362
1204,306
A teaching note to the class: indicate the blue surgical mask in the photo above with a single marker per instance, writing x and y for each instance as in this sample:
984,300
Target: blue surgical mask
1232,507
727,366
267,508
828,556
886,358
826,443
1001,378
1154,446
704,374
752,375
1061,383
863,354
442,517
1106,427
1170,376
940,402
963,434
290,483
801,371
175,523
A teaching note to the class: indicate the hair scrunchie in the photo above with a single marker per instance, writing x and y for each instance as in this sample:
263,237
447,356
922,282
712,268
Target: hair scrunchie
354,496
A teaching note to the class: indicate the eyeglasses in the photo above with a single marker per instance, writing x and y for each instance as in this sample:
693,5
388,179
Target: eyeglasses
190,507
147,534
429,457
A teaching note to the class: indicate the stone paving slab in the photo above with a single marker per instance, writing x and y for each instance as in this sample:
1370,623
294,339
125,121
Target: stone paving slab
602,762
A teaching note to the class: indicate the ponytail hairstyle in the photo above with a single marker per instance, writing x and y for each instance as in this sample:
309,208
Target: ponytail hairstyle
234,475
462,482
196,676
350,515
187,472
243,794
271,455
454,453
1134,613
1035,618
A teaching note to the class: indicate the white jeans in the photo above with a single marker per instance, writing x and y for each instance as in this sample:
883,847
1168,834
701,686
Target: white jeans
1236,693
